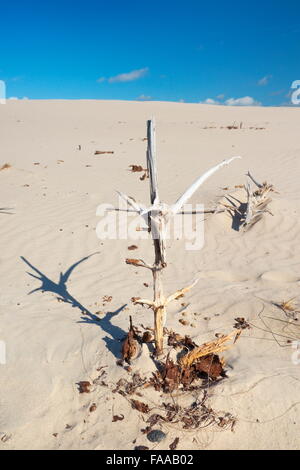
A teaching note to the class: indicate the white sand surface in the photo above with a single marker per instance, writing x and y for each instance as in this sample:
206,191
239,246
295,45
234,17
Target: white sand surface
52,191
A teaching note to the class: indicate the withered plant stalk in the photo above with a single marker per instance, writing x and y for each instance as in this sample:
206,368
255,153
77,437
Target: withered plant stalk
158,215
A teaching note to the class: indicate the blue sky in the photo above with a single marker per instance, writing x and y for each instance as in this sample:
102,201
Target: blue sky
163,50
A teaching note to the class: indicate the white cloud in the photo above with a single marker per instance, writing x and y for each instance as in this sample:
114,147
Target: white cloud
264,80
144,98
244,101
15,98
221,96
129,77
210,101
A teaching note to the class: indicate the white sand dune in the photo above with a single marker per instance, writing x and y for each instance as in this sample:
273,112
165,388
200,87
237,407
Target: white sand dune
53,189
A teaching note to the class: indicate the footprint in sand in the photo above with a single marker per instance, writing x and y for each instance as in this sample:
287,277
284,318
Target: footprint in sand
279,276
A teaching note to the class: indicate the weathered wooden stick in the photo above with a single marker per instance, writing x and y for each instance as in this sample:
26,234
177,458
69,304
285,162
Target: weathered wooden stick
156,225
257,202
180,292
254,181
248,216
199,181
158,215
150,303
130,201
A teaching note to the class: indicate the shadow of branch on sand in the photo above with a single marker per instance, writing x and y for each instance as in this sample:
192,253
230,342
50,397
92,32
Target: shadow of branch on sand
3,210
116,334
238,216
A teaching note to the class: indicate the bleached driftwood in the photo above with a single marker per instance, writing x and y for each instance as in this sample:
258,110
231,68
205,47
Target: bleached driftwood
257,202
193,188
157,216
254,181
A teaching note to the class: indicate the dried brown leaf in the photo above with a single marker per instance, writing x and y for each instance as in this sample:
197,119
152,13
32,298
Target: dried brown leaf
174,444
171,376
130,346
154,419
135,262
132,247
84,386
140,406
210,365
117,418
136,168
241,323
147,337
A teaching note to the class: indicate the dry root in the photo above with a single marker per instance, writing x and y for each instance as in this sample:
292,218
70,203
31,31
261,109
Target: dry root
206,349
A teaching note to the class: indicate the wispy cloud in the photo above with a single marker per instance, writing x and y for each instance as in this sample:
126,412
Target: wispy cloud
264,80
210,101
144,98
244,101
15,98
125,77
130,76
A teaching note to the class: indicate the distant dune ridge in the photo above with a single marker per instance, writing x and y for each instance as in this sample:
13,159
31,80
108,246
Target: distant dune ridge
64,159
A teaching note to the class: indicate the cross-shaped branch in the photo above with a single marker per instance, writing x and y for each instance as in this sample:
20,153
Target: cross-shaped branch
157,215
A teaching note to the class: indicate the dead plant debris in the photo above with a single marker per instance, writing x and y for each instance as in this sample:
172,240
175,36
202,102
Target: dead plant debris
126,387
131,345
290,308
195,367
102,152
5,166
174,444
84,386
117,418
139,169
140,406
147,337
241,324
